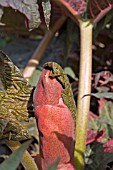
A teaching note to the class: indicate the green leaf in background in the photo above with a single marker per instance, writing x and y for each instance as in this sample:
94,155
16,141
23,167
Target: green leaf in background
70,72
96,158
13,161
47,11
107,95
54,165
35,77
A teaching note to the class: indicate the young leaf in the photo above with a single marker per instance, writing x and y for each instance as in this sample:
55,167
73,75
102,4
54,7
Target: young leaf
13,161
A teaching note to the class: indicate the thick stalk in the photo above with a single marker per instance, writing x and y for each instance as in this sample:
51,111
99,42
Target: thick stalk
83,93
27,161
34,61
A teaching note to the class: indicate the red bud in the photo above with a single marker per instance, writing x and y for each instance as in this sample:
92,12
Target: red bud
55,124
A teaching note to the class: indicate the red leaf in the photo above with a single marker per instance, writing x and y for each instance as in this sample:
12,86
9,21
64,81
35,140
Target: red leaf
94,136
72,8
98,9
108,145
103,81
78,5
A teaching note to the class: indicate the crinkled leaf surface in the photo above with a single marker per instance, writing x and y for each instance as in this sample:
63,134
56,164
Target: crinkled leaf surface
79,6
13,161
72,8
15,94
27,7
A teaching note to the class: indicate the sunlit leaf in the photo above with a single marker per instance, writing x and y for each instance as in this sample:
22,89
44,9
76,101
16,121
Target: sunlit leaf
15,94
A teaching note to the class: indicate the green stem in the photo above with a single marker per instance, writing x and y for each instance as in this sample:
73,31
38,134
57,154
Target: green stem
84,90
27,161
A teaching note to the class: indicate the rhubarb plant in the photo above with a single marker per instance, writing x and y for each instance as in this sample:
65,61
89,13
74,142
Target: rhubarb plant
87,15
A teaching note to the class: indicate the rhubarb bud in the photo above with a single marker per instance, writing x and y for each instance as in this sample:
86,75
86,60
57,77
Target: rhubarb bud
55,124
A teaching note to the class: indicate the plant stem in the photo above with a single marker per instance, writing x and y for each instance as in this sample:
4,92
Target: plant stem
84,92
34,61
27,161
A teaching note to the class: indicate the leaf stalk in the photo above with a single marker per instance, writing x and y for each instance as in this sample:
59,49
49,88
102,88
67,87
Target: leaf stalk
83,91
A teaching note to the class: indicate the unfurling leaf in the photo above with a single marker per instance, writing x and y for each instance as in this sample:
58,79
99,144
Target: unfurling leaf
14,99
67,94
